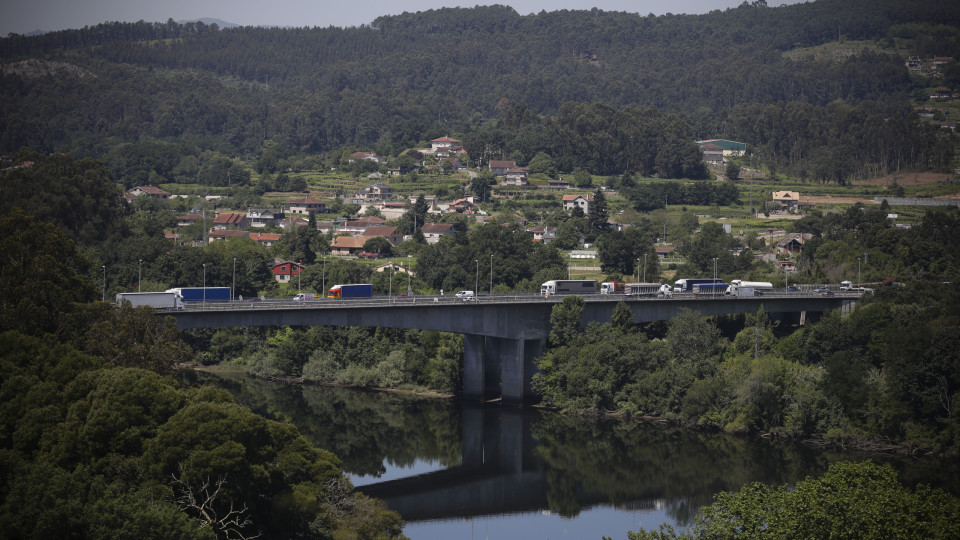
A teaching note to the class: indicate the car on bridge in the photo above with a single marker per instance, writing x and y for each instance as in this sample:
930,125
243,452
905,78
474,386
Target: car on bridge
466,296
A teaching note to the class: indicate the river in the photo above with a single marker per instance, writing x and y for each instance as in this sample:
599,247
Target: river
455,470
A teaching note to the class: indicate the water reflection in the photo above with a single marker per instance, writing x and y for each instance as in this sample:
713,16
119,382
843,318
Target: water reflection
504,468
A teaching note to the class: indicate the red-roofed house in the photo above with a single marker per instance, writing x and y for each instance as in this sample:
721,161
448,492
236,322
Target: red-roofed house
583,201
444,145
499,168
283,271
266,239
229,220
712,153
347,245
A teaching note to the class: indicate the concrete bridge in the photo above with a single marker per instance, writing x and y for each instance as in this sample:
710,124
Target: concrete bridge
503,334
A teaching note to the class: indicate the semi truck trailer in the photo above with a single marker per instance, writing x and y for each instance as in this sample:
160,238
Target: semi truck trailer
162,300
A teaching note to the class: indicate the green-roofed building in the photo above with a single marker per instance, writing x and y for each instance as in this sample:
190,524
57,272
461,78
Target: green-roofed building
730,148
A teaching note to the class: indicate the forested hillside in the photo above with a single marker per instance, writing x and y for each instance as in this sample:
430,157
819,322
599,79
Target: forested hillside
145,96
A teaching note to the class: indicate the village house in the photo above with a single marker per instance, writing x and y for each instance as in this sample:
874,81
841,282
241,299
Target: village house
307,206
347,245
499,168
226,234
516,176
188,219
392,234
788,200
793,242
712,153
545,234
375,192
149,191
292,222
266,239
729,148
326,227
583,201
432,232
444,146
259,217
229,220
558,184
284,271
369,156
463,206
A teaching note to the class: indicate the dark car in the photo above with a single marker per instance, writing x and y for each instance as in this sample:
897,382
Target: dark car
793,289
827,293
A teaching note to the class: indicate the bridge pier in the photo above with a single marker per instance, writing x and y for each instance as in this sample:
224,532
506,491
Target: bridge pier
500,367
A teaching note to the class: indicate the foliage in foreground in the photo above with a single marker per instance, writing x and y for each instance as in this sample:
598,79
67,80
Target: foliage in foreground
96,440
860,500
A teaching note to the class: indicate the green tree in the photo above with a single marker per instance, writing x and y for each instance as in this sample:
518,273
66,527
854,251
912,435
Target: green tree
565,320
732,171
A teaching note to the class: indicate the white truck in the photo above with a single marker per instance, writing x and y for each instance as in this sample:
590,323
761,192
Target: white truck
758,287
303,297
160,300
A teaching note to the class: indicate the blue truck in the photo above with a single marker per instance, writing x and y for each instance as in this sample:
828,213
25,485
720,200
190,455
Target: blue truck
203,294
364,290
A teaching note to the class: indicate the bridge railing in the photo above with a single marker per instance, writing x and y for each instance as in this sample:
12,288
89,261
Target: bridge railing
518,298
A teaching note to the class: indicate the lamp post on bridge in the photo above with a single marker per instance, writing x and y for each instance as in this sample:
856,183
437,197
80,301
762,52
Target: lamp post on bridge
204,285
139,273
476,280
234,283
103,296
644,267
491,274
714,275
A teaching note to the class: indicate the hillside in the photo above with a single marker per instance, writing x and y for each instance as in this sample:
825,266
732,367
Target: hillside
195,88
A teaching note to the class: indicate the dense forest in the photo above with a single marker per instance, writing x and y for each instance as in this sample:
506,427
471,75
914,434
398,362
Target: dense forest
603,91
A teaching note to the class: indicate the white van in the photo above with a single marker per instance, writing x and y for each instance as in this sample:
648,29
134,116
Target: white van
466,296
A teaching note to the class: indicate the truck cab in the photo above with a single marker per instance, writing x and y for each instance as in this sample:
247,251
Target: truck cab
846,286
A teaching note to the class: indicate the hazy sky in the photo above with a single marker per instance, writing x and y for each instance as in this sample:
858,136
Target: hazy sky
24,16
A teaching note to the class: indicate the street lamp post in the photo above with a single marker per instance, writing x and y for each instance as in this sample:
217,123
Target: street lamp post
234,284
323,276
644,267
299,269
103,297
491,274
858,272
714,274
139,273
204,285
476,280
390,288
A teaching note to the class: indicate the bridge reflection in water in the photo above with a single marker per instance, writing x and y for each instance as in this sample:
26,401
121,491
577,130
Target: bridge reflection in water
500,473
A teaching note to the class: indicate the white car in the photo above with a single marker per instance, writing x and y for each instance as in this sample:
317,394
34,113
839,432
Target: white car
466,296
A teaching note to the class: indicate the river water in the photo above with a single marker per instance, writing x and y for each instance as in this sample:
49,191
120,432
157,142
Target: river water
456,470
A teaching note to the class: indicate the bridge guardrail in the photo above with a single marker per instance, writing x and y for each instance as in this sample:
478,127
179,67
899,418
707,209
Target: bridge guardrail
520,298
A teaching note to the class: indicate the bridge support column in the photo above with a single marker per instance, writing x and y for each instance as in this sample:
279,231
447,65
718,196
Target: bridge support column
517,368
491,367
473,367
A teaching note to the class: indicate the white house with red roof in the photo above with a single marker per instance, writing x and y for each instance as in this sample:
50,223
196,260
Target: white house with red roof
444,145
582,200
